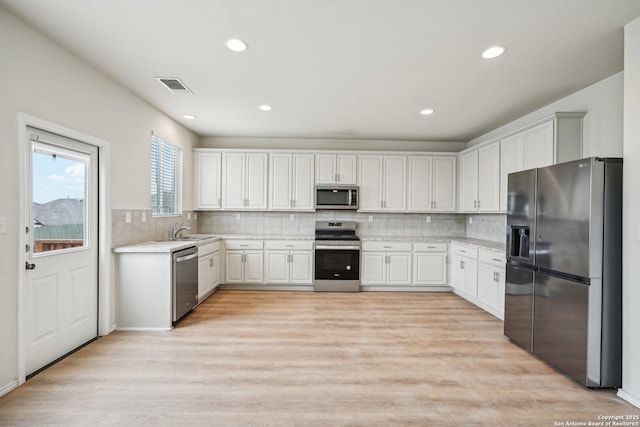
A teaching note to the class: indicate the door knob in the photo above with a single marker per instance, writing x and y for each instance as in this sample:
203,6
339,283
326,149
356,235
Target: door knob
29,266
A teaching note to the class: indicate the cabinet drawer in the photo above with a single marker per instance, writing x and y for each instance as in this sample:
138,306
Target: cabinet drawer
289,245
208,248
386,246
243,244
429,247
493,258
465,251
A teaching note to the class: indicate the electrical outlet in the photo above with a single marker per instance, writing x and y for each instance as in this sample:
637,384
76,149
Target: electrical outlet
292,217
188,215
127,217
370,218
195,215
238,216
427,219
470,220
144,217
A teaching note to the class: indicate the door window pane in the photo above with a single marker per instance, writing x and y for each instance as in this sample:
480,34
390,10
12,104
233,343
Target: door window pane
59,192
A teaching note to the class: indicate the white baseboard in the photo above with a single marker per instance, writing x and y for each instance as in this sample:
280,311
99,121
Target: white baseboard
128,329
7,388
629,398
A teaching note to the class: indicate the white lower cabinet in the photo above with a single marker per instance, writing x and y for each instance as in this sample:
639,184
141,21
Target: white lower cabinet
244,261
430,264
208,269
491,272
289,262
478,275
386,263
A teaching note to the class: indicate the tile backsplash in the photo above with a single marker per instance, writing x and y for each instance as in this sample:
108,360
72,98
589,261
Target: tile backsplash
487,227
441,225
154,228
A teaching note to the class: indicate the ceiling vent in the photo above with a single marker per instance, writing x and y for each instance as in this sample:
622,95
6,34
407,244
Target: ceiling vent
174,84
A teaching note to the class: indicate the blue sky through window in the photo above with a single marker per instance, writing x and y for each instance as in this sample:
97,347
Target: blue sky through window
57,179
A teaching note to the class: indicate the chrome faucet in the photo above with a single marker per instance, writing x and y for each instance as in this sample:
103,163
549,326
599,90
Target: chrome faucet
178,228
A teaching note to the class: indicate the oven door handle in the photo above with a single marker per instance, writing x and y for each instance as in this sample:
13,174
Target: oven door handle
339,248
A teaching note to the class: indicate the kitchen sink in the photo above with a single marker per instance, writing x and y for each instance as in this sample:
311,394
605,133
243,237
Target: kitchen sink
187,238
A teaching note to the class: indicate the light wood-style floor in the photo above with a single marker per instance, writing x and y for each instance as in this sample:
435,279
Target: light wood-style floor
246,358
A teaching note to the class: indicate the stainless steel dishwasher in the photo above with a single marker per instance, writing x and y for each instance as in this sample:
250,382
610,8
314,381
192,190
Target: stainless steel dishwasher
185,281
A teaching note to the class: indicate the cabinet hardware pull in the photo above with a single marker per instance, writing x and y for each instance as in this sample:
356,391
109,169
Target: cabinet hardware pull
496,259
290,246
478,204
219,201
431,247
387,247
461,264
462,250
338,177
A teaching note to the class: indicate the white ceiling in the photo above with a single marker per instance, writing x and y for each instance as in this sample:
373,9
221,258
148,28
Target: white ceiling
356,69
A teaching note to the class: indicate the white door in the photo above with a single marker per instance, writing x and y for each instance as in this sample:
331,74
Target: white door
370,183
256,181
469,181
511,160
395,183
61,285
277,266
303,185
420,185
538,146
253,268
326,169
207,180
429,268
280,182
234,267
346,169
233,181
399,268
444,184
302,267
373,268
489,177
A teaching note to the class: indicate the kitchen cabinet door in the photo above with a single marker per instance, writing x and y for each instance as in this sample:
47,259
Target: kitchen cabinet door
253,268
280,182
444,184
301,267
277,266
430,268
326,169
234,266
420,197
538,146
233,180
215,270
394,183
303,192
207,177
370,182
456,272
511,160
373,268
256,181
469,181
205,278
487,287
346,169
398,268
489,177
469,282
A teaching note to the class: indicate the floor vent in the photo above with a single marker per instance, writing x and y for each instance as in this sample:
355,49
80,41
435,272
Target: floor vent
174,84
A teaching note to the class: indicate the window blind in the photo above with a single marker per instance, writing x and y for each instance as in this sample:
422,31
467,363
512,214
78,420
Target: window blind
166,173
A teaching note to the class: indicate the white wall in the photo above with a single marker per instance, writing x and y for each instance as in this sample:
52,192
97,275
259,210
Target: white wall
631,213
43,80
328,144
602,125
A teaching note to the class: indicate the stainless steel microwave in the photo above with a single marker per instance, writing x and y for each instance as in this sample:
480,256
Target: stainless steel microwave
336,197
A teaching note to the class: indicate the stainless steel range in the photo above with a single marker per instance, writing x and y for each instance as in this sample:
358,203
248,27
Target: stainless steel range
337,256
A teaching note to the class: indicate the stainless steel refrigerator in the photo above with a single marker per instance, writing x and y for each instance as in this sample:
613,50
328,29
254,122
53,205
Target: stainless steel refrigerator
563,291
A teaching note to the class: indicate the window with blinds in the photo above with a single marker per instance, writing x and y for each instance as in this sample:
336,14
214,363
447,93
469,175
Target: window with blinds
166,173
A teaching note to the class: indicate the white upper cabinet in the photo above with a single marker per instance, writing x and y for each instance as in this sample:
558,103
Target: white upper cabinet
480,179
383,183
335,169
431,184
489,177
244,181
291,183
556,139
538,146
511,160
207,180
469,181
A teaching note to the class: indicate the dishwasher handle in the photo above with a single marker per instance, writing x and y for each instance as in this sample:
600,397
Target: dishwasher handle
186,257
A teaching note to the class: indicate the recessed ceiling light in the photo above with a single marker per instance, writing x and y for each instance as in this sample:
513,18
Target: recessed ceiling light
427,112
493,52
236,45
189,117
265,107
